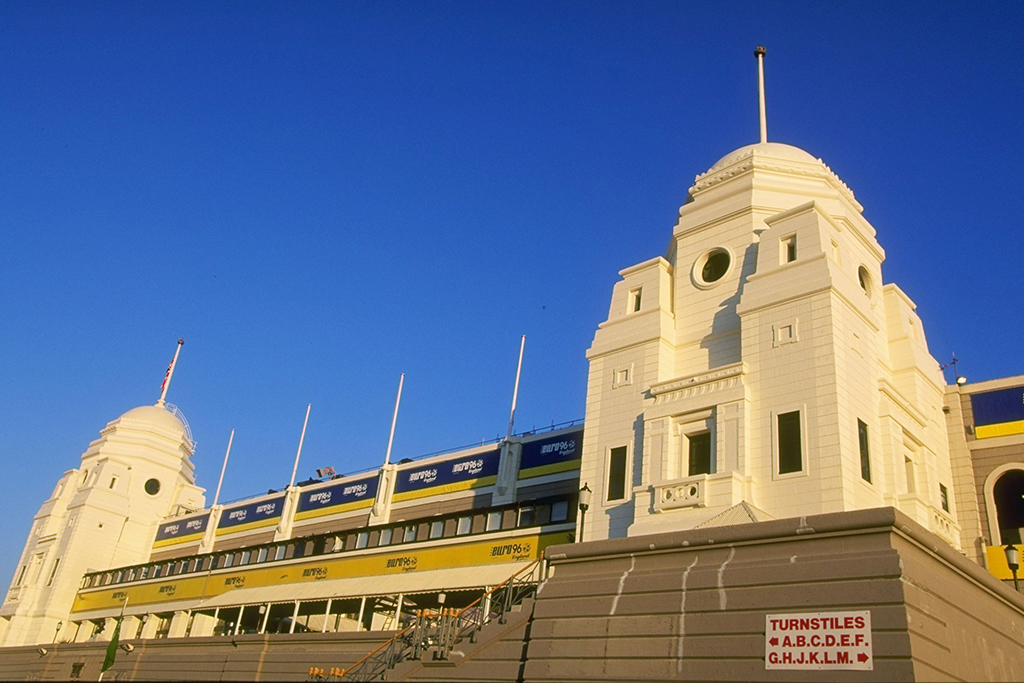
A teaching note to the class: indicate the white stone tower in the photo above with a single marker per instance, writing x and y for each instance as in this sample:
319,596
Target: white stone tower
761,369
102,514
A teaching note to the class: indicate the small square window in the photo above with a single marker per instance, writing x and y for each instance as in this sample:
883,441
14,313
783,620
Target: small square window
560,511
784,333
465,526
437,528
493,520
622,377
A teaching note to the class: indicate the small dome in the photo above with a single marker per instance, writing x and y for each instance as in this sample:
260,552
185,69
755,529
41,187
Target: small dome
776,150
157,416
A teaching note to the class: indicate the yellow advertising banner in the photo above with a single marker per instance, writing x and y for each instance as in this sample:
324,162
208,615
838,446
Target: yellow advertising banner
322,567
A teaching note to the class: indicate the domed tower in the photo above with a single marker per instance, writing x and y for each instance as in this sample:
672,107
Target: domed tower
102,514
761,369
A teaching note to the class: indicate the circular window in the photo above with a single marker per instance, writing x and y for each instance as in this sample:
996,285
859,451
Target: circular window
864,278
711,267
152,487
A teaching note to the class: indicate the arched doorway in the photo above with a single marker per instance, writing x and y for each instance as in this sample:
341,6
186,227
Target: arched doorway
1008,493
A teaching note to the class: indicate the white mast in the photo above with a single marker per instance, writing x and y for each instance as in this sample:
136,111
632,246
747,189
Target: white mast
170,373
515,391
759,53
301,439
394,420
223,467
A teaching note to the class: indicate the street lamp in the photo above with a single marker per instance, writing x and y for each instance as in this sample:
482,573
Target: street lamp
584,506
57,632
1013,562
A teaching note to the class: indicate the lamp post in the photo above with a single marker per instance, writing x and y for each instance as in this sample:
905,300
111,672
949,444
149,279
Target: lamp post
56,633
584,506
1013,562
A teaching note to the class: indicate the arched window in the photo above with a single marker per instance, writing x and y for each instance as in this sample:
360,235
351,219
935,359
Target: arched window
1008,493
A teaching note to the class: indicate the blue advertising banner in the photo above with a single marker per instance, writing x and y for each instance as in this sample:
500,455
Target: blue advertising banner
461,474
554,454
330,500
251,516
998,413
181,530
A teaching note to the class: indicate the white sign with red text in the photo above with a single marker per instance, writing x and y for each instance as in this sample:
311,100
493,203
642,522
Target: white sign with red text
819,640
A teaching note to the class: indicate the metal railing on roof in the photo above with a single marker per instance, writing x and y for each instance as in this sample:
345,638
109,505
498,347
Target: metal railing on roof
438,631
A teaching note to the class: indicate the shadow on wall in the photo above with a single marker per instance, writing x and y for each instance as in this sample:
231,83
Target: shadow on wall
726,320
621,517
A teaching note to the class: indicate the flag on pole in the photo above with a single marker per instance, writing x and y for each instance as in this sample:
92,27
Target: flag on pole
108,661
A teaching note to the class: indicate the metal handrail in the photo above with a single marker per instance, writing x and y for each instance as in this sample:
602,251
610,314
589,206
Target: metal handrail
443,629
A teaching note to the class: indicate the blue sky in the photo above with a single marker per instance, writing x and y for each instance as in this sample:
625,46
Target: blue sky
320,196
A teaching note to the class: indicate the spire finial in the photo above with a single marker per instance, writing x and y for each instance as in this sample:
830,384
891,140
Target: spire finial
170,373
759,53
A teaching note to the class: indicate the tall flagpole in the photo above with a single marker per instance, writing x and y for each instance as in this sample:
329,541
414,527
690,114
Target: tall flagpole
394,420
759,52
515,391
223,467
301,439
170,373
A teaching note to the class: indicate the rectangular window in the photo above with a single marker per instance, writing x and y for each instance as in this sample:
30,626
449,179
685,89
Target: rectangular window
700,453
280,552
21,575
262,556
53,572
227,560
944,497
617,473
526,516
634,299
246,554
465,526
789,249
865,459
790,453
908,465
560,511
363,539
385,537
410,534
144,572
437,528
493,520
113,481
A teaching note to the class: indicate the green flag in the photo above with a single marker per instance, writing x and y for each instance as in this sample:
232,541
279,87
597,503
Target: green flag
108,661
